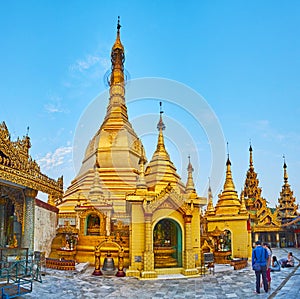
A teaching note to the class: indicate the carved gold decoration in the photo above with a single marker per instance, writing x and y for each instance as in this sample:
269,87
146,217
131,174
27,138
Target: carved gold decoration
17,166
84,215
30,193
162,200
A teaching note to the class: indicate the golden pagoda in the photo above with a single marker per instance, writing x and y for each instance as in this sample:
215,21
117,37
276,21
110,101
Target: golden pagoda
263,221
286,211
227,222
119,204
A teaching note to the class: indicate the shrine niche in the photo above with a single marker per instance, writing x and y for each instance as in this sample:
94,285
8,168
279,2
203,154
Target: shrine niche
92,223
167,244
222,245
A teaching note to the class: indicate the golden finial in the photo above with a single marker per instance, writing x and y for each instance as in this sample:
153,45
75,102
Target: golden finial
117,59
250,158
160,126
229,185
118,25
118,44
285,175
190,186
190,167
228,160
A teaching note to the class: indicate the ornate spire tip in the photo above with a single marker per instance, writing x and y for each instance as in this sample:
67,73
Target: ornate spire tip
118,25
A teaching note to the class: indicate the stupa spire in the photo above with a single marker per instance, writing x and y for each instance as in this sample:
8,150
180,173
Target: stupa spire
117,59
252,191
210,210
287,209
161,171
117,110
141,183
190,186
228,185
228,202
243,209
250,158
96,192
160,148
285,174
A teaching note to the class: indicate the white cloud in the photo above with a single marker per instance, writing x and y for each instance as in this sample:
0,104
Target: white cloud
51,108
52,160
267,131
88,62
54,105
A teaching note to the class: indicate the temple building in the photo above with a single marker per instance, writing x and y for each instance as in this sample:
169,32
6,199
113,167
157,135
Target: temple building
268,224
227,222
119,203
25,221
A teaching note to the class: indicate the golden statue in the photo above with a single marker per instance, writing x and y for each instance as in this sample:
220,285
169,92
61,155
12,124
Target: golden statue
159,235
97,271
14,242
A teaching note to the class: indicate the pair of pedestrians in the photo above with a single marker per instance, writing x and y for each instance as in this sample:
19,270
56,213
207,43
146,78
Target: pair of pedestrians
261,259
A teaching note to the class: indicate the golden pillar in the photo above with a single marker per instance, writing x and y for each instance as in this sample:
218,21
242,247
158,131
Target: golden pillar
148,271
277,240
189,257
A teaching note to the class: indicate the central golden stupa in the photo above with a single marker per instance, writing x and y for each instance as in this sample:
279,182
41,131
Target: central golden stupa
119,203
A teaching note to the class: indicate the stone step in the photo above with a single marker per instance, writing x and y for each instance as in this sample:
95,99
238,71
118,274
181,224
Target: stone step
223,268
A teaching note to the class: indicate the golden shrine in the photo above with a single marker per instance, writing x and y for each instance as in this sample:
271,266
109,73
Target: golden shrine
227,223
119,204
142,217
20,181
267,224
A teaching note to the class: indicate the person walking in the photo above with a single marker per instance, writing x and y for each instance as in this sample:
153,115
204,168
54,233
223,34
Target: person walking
269,261
259,265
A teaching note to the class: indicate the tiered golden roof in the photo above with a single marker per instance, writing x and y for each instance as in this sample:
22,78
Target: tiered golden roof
287,209
261,215
161,170
228,203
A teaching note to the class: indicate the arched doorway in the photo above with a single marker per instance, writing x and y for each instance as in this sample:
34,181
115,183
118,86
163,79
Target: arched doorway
167,244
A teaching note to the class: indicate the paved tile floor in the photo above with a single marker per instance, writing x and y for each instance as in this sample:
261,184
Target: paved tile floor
227,284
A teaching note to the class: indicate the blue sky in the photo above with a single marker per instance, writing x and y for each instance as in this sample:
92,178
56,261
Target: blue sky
242,57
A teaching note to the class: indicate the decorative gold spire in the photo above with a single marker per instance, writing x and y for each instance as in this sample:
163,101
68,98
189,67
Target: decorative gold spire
228,185
141,183
190,186
287,208
96,193
117,110
243,209
118,44
250,159
117,59
160,148
161,171
252,191
228,203
210,210
285,174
